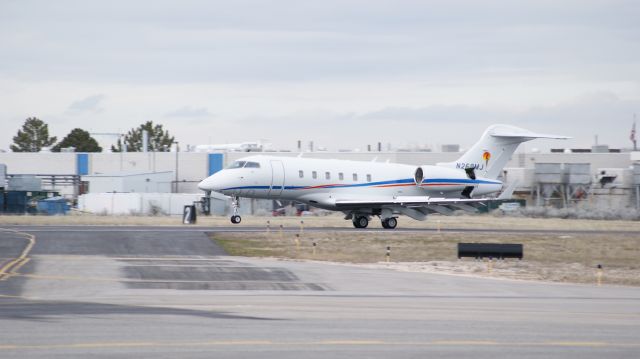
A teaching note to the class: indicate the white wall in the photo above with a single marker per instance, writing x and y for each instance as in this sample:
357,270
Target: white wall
144,203
597,160
191,166
158,182
39,163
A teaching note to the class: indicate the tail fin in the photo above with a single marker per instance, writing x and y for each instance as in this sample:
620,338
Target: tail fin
489,155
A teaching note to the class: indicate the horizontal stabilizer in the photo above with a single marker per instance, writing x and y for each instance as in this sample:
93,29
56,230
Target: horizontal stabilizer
515,132
490,154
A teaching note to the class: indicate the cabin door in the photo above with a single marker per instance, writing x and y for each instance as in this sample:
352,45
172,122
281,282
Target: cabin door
277,178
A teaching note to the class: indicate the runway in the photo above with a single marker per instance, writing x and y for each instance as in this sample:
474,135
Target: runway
167,292
248,229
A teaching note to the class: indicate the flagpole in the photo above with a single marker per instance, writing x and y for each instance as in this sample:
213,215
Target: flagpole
633,133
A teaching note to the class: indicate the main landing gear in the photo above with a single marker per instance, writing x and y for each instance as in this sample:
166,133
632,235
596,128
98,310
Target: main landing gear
360,221
389,223
235,203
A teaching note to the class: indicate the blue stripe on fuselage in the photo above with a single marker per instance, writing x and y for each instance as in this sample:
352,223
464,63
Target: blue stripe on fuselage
458,180
461,181
247,187
407,180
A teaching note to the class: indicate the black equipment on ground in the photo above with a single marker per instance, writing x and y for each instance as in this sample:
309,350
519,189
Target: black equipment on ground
490,250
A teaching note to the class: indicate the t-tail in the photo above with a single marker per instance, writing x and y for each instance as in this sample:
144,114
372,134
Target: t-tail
489,155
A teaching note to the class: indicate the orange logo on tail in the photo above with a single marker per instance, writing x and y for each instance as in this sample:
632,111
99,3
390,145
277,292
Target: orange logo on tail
486,156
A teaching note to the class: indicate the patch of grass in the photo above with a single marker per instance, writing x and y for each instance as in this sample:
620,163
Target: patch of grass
567,258
247,248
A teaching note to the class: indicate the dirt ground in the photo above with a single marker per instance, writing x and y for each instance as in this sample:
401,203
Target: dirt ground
548,257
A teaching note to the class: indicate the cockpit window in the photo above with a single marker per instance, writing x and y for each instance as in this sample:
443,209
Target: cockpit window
252,165
237,164
244,164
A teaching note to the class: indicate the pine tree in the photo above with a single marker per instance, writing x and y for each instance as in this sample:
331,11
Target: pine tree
159,139
33,136
80,139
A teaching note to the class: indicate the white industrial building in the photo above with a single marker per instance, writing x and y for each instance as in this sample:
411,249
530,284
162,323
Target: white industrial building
145,203
75,174
131,182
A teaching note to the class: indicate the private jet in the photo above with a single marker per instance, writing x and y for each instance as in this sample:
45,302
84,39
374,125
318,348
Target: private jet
363,190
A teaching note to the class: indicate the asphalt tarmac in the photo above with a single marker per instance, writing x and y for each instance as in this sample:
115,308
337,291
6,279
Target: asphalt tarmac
170,292
244,228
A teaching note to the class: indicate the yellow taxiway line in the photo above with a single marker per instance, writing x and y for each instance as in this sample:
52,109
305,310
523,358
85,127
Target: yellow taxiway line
12,267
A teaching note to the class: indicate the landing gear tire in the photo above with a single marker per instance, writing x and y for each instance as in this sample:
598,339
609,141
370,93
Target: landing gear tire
389,223
361,222
235,203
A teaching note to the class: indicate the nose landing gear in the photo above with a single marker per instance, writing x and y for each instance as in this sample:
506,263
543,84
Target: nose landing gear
235,203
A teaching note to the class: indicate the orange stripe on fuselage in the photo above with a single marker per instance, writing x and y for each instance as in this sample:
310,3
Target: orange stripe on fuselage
396,185
323,186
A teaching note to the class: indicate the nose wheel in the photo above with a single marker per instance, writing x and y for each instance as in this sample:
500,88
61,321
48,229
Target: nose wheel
235,203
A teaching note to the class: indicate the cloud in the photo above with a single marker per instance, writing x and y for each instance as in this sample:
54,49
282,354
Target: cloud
203,41
602,113
188,111
342,72
88,104
436,114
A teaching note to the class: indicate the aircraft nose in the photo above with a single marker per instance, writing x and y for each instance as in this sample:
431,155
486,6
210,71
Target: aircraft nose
207,184
202,185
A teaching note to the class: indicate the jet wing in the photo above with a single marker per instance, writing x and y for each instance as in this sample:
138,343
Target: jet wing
409,201
415,207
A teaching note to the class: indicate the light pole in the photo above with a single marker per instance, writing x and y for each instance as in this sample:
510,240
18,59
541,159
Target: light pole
177,149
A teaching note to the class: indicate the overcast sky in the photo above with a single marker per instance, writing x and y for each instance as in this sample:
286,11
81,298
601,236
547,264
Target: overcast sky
341,73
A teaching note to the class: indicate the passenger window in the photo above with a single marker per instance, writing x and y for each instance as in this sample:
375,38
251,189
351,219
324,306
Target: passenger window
341,176
355,176
314,174
252,165
368,178
301,174
327,175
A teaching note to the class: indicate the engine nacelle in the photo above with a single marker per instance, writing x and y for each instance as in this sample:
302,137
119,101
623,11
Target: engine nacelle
442,179
483,189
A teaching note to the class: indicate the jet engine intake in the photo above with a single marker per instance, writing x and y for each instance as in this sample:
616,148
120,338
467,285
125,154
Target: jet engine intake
418,176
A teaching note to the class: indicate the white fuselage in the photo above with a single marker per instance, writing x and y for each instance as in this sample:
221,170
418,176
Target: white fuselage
320,182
